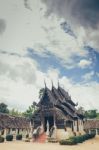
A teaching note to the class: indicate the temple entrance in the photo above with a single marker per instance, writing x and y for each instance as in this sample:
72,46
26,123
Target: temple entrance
50,120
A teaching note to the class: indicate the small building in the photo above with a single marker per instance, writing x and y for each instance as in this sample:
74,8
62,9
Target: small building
57,114
92,126
13,125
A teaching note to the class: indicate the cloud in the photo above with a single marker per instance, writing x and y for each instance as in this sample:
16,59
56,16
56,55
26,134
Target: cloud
82,15
22,68
84,63
2,26
97,74
88,76
27,5
21,80
20,76
85,12
33,30
85,94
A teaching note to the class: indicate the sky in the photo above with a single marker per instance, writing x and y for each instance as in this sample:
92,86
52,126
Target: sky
51,40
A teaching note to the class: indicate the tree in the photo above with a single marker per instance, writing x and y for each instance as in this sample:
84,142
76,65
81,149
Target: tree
97,115
3,108
31,109
91,114
14,112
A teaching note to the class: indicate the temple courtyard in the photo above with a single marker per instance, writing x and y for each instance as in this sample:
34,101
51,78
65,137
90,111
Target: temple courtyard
21,145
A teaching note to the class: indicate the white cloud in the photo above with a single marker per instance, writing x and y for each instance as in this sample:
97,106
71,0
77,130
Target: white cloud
88,76
85,23
84,63
97,74
21,79
85,94
20,76
32,29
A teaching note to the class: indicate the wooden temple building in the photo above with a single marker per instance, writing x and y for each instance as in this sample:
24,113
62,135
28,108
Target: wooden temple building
92,126
57,114
14,125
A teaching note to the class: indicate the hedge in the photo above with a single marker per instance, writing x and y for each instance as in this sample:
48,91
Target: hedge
76,139
9,137
1,139
27,136
19,137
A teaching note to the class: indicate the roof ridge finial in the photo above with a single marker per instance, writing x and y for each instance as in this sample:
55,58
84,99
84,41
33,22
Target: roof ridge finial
45,83
58,83
52,83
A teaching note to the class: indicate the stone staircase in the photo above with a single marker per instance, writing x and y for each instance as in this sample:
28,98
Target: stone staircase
42,138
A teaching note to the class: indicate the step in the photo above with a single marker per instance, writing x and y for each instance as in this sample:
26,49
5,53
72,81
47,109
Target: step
42,138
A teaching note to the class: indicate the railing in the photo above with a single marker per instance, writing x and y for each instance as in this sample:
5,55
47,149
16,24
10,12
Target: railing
51,131
37,132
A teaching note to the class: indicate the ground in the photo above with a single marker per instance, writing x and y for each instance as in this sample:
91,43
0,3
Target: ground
88,145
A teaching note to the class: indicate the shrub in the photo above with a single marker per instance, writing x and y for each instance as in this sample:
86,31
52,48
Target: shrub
76,139
68,142
9,137
27,136
27,140
1,139
19,137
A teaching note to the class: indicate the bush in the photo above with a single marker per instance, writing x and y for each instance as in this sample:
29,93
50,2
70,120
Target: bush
27,140
76,139
19,137
1,139
68,142
9,137
27,136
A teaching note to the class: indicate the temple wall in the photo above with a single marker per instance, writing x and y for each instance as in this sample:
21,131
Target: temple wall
62,134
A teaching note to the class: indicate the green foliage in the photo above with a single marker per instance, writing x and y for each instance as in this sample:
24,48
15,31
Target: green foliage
3,108
19,137
76,139
1,139
29,112
91,114
68,142
97,115
14,112
9,137
27,140
27,136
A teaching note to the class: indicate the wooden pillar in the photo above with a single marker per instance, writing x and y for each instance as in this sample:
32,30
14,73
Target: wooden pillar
10,132
96,131
5,132
80,125
16,131
89,131
74,124
77,125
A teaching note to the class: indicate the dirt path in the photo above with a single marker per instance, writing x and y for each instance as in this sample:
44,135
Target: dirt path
88,145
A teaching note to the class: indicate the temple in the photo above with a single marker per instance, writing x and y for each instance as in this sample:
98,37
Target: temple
57,114
13,125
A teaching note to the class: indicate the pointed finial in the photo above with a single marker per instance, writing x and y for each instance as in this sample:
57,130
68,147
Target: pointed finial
58,83
52,83
45,83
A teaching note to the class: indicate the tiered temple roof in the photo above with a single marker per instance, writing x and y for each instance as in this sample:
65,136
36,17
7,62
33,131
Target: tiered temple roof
61,101
7,121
